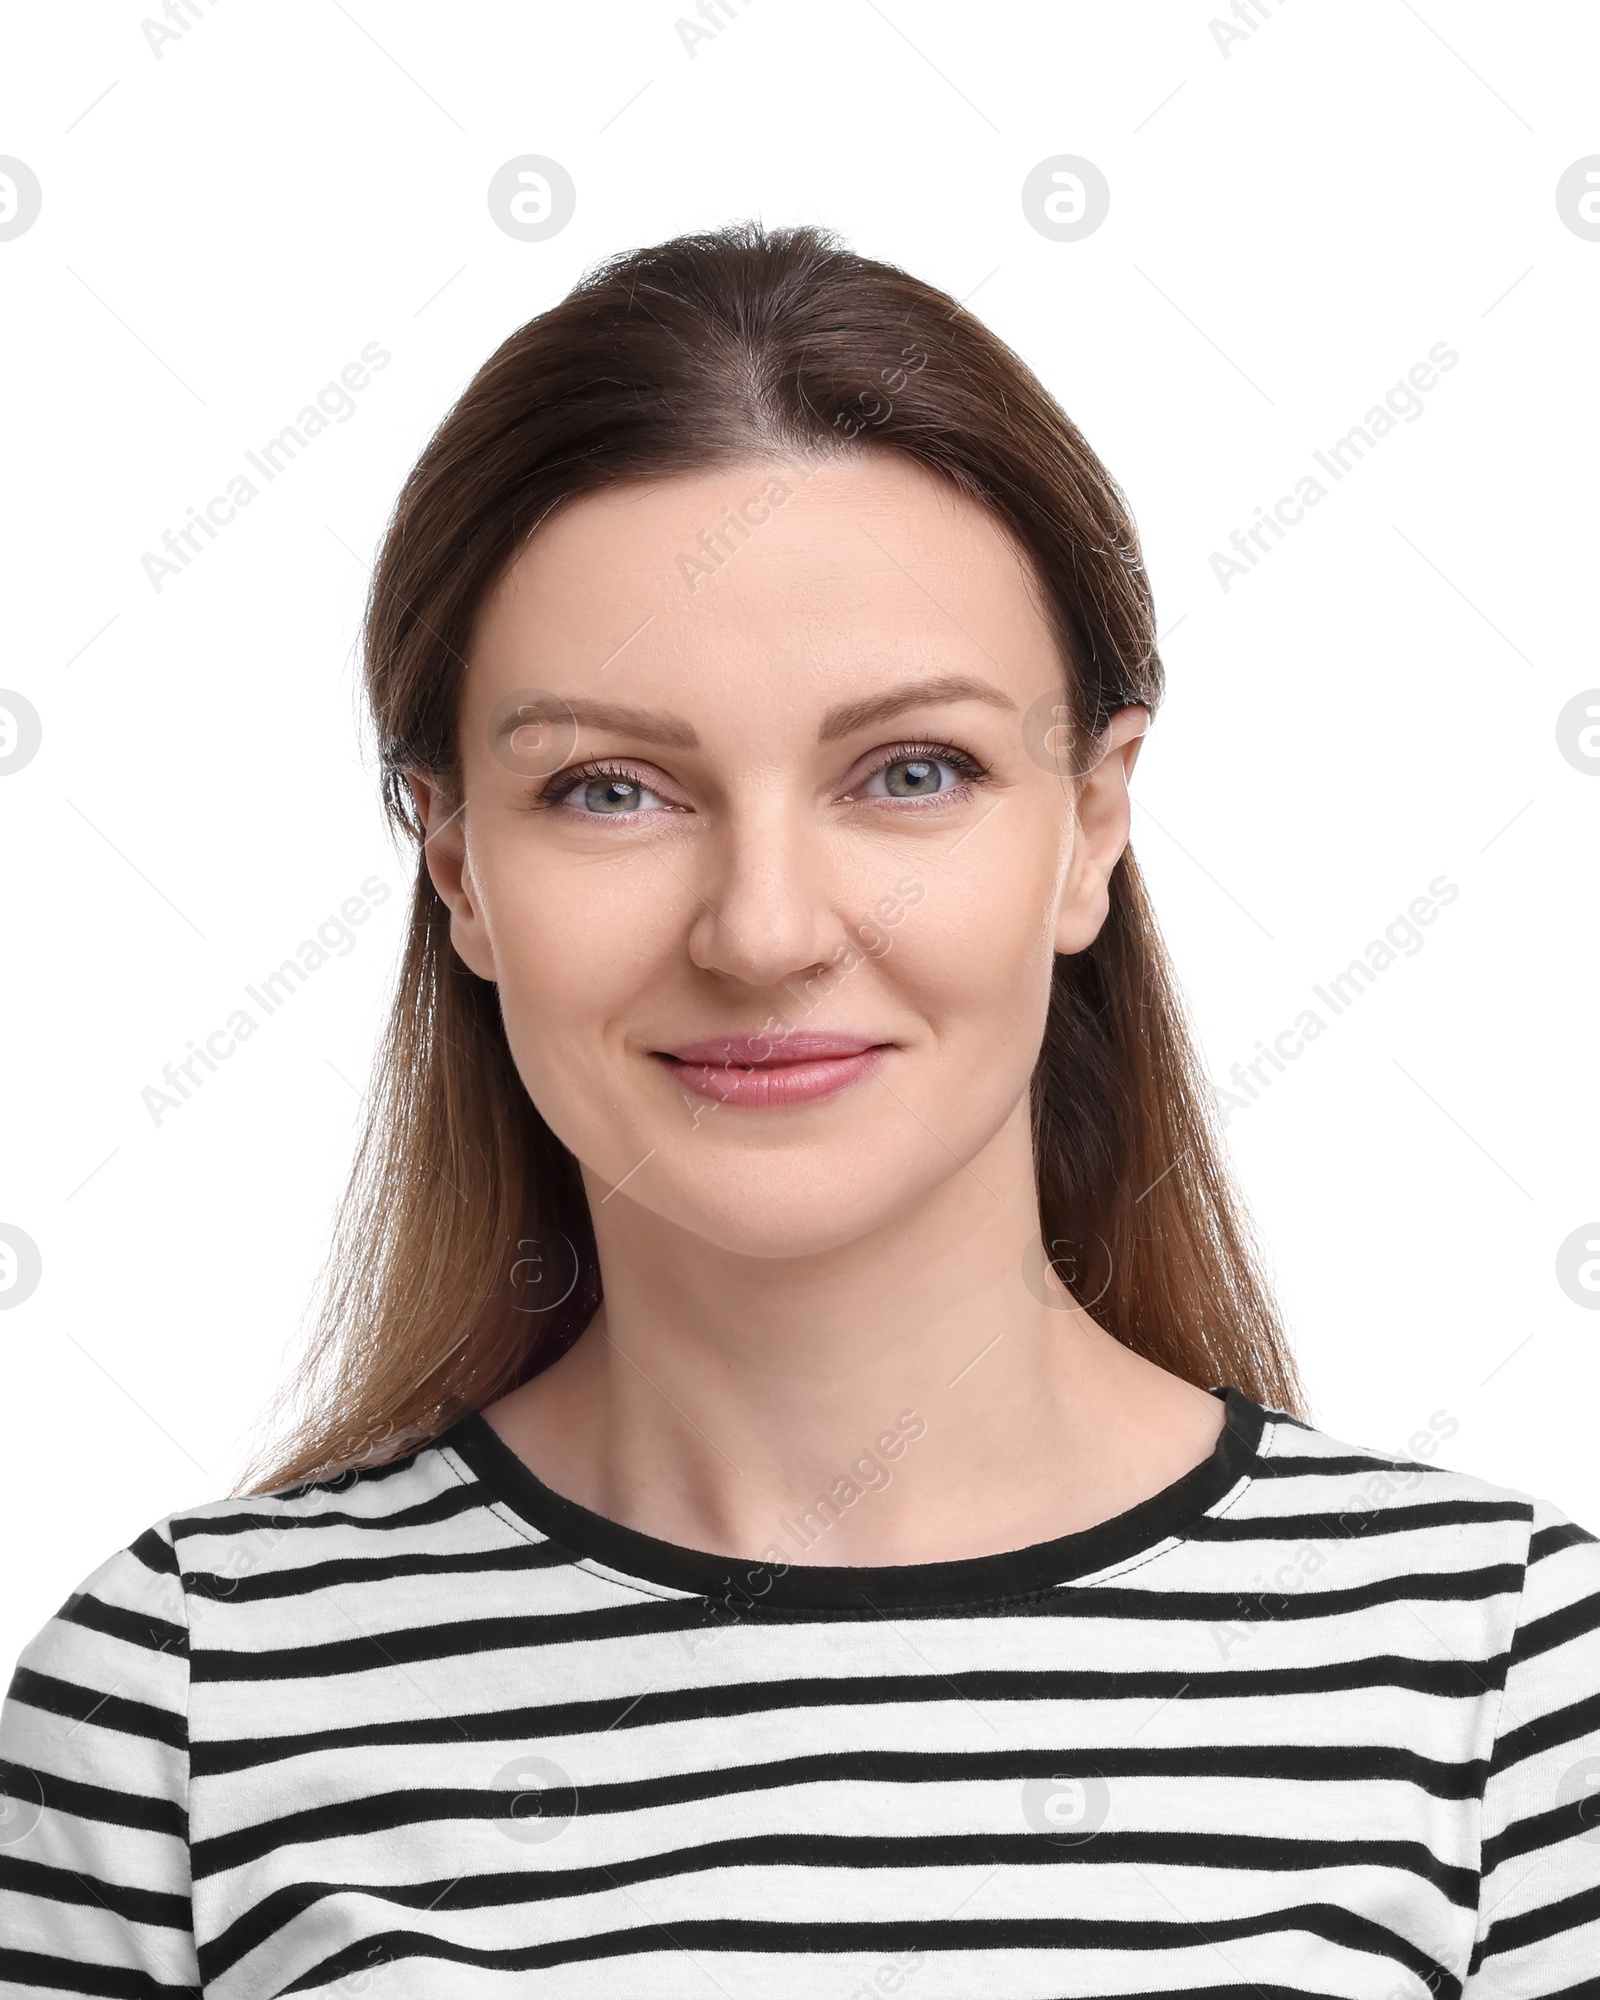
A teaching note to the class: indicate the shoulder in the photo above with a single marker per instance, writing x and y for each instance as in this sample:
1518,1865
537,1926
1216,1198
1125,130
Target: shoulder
220,1545
1349,1491
1291,1451
134,1615
124,1627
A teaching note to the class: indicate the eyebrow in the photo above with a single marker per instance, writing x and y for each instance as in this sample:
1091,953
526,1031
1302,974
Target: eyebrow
672,733
667,730
853,715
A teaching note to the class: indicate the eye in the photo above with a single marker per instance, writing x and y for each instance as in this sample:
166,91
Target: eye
918,775
606,795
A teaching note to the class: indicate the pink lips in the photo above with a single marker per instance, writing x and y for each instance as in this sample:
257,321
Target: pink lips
765,1072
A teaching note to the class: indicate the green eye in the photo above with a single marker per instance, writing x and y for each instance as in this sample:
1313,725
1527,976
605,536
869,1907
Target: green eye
606,795
911,778
611,795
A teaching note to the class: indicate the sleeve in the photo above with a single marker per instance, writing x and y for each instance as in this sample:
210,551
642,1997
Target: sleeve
94,1786
1538,1931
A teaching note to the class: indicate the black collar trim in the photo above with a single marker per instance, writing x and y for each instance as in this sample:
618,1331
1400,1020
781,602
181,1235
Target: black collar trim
748,1584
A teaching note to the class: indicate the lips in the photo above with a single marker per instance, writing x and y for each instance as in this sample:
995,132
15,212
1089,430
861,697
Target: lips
767,1072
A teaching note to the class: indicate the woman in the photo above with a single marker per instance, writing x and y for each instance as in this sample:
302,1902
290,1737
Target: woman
801,1489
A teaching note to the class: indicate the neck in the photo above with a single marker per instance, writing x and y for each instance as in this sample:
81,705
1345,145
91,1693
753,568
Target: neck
907,1396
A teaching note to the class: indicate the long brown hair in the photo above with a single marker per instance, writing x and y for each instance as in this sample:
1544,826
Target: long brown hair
462,1260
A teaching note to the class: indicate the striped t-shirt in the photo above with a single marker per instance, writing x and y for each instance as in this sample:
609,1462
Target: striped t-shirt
1313,1720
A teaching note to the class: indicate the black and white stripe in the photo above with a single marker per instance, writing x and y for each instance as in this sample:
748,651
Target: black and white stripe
1310,1722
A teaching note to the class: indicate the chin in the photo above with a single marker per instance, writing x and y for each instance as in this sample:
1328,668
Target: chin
784,1207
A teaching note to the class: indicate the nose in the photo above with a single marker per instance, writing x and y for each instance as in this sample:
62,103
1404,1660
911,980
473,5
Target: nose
768,907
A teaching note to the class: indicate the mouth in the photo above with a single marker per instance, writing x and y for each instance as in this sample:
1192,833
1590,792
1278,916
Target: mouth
768,1072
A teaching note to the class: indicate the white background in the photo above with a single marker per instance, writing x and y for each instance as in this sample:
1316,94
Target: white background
1293,224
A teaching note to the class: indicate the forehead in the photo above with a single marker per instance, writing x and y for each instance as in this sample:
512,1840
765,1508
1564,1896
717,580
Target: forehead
766,585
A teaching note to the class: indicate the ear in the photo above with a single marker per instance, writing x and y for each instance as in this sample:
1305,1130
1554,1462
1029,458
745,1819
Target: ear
1101,814
444,848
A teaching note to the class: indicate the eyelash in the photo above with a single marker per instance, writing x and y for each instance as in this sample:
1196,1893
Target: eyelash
557,791
966,767
560,788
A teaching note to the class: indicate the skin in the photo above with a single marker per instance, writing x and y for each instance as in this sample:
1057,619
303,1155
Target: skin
781,1286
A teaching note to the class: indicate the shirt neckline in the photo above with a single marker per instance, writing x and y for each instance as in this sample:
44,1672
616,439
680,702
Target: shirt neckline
749,1584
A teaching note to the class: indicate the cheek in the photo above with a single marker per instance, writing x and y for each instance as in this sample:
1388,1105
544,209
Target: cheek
979,948
576,948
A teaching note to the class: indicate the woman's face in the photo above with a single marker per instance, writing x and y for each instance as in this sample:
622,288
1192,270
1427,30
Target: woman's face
763,845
